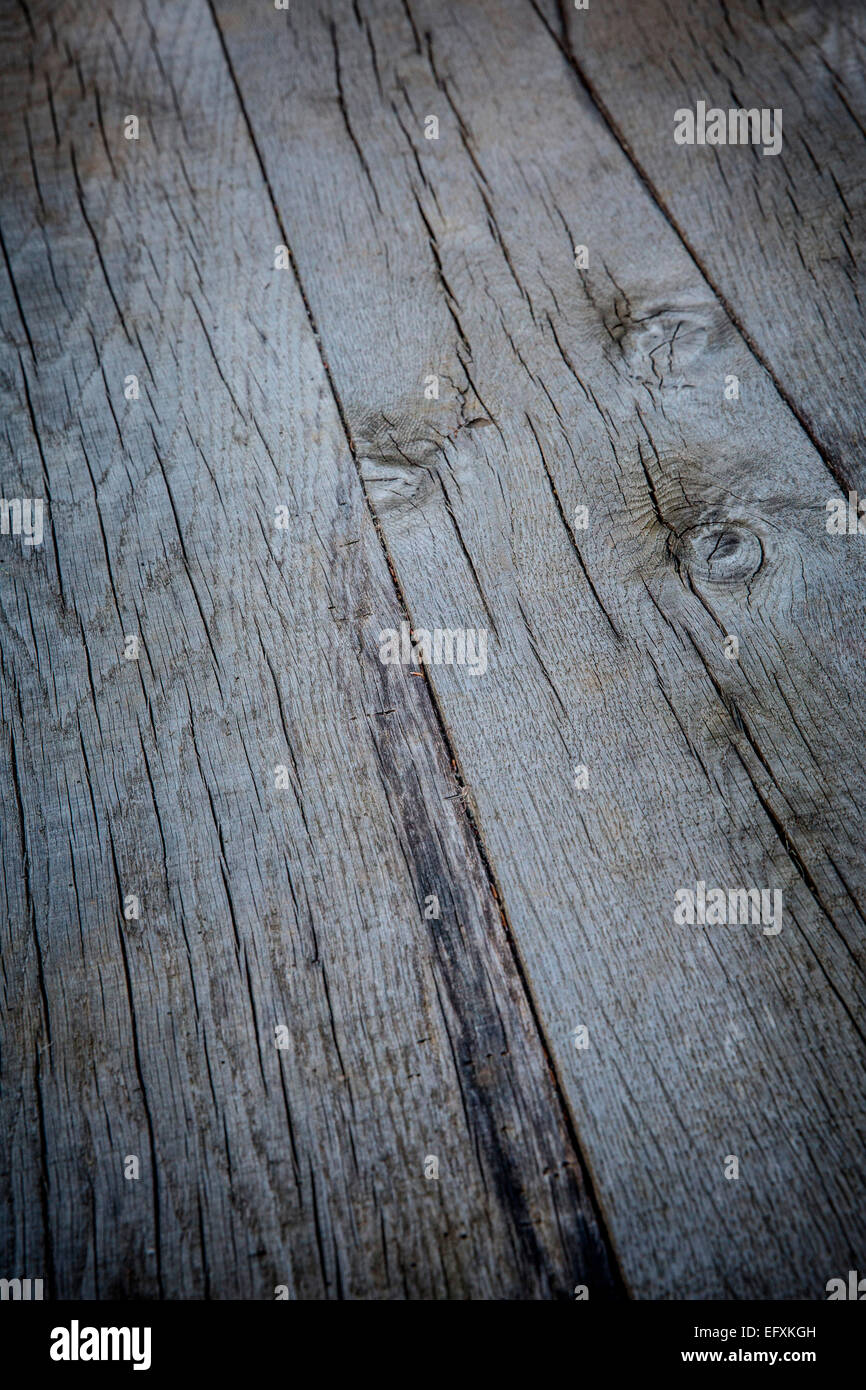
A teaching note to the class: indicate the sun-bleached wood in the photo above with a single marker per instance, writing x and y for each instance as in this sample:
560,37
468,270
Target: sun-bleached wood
781,237
300,906
602,387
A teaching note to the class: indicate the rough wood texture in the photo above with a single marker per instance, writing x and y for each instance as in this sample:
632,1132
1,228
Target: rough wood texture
259,907
559,387
605,388
782,237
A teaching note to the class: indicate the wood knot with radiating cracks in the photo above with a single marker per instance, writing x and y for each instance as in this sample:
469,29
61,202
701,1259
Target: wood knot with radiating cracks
722,553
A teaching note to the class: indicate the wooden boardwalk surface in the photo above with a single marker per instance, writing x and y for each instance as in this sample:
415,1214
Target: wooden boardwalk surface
359,980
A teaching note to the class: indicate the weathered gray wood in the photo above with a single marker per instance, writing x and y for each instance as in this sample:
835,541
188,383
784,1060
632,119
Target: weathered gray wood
781,237
604,388
259,907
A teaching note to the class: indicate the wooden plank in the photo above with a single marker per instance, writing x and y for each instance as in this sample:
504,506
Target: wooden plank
300,905
779,236
602,388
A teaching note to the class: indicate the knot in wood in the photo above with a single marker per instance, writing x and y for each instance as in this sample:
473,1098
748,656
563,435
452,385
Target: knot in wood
725,552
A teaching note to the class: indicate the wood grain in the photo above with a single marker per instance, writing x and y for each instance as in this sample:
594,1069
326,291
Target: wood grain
780,237
301,906
605,388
